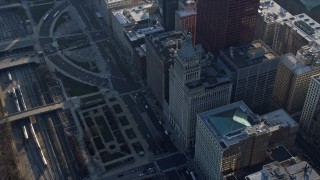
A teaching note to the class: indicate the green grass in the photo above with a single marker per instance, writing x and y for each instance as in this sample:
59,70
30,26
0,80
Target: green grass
75,88
39,11
104,129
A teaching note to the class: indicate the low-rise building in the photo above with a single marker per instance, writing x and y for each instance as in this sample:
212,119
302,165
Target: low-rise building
285,171
282,127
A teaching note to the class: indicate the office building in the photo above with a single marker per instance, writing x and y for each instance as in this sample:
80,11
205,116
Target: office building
131,25
139,60
291,170
160,51
167,10
196,85
253,70
293,77
186,20
229,138
222,24
291,33
269,13
310,117
232,137
106,7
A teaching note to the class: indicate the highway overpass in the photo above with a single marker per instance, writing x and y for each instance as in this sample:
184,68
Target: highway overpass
35,111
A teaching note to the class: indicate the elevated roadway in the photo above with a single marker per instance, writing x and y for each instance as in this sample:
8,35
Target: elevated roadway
35,111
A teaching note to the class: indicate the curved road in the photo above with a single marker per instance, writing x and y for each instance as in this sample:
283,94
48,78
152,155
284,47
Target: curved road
77,73
46,24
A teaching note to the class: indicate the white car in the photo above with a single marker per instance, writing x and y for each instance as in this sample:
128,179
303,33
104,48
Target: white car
141,174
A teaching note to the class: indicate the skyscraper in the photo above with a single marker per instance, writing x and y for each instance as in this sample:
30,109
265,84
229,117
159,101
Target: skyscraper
167,10
195,85
253,69
229,138
310,117
226,23
232,137
160,50
293,77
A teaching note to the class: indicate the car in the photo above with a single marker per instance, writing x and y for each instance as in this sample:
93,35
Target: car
150,169
141,174
120,175
133,171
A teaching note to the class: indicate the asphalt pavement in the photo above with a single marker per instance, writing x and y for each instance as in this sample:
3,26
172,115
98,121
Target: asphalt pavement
78,73
45,27
172,161
153,146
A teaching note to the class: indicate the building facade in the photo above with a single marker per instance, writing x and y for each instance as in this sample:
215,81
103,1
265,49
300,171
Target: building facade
310,117
287,170
222,24
229,138
187,20
167,10
269,13
282,127
253,70
232,137
160,50
291,33
196,85
106,7
293,77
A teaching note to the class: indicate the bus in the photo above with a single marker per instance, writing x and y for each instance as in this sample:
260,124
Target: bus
14,93
17,105
25,133
46,16
55,14
9,76
43,158
22,100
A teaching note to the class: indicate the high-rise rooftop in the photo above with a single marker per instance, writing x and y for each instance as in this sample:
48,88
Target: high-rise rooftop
249,54
232,123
